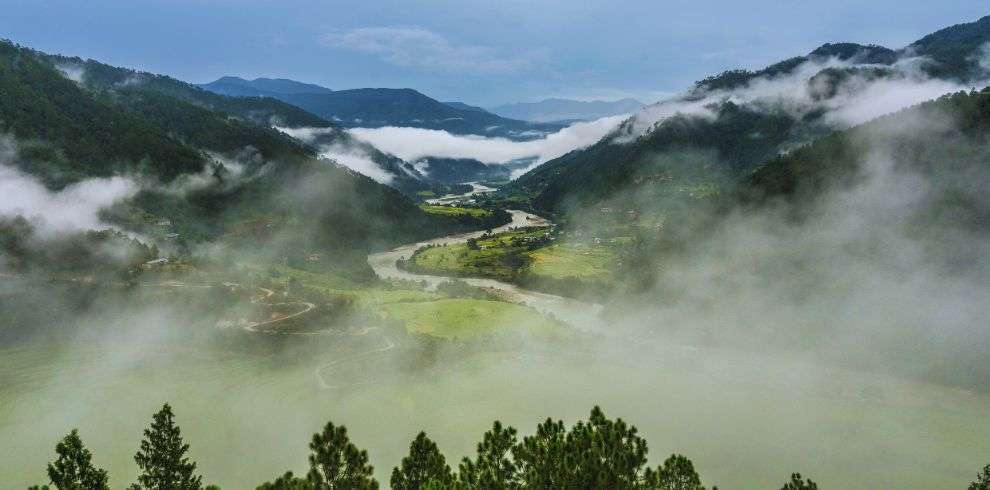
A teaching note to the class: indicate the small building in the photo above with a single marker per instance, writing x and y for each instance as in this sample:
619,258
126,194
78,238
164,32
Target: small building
163,222
314,257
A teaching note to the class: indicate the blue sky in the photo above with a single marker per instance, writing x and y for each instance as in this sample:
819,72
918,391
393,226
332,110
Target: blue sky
480,52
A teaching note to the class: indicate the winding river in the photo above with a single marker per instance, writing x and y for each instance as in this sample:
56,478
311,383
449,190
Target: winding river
578,314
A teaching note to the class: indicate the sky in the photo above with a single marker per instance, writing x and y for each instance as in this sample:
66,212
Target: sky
480,52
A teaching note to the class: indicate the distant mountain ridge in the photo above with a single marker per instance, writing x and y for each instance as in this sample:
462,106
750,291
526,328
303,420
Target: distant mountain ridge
262,87
380,107
552,110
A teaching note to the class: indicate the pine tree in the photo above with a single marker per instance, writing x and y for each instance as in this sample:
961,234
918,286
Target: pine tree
288,481
424,465
799,483
541,456
492,469
337,464
676,473
74,470
162,459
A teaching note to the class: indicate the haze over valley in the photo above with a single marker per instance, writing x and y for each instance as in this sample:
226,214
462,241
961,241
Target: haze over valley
425,258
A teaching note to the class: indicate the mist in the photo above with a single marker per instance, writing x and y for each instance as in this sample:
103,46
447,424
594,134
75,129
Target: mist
352,156
856,99
873,274
412,144
74,208
838,329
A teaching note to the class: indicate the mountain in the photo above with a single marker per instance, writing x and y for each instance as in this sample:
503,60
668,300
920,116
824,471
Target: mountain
265,111
458,170
944,139
379,107
551,110
209,165
262,87
712,136
958,52
466,107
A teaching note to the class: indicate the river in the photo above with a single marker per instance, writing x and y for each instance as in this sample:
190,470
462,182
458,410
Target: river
575,313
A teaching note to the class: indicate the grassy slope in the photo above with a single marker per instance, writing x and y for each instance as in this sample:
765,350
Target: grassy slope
562,260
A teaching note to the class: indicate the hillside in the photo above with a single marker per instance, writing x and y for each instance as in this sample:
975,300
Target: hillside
683,156
946,141
713,135
378,107
153,94
208,164
957,52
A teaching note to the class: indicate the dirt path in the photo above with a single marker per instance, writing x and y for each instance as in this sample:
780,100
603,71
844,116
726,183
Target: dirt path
259,326
321,370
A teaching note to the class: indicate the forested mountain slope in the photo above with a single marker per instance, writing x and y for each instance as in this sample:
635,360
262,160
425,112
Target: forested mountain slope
715,133
206,163
945,142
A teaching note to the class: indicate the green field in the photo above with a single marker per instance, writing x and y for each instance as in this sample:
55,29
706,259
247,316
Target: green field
562,260
457,318
498,256
438,314
521,255
456,211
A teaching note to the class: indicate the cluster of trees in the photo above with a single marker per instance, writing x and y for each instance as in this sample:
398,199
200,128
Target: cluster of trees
161,457
597,453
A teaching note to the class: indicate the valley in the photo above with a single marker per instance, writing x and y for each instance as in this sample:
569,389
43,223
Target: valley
778,270
373,374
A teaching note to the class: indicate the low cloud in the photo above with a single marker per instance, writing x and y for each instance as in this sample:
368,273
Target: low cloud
74,208
416,47
72,72
857,99
351,156
357,160
983,59
887,96
412,144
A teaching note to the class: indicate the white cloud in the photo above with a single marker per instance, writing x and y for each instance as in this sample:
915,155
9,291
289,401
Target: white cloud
74,208
412,144
72,71
857,99
356,160
887,96
351,156
983,58
416,47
